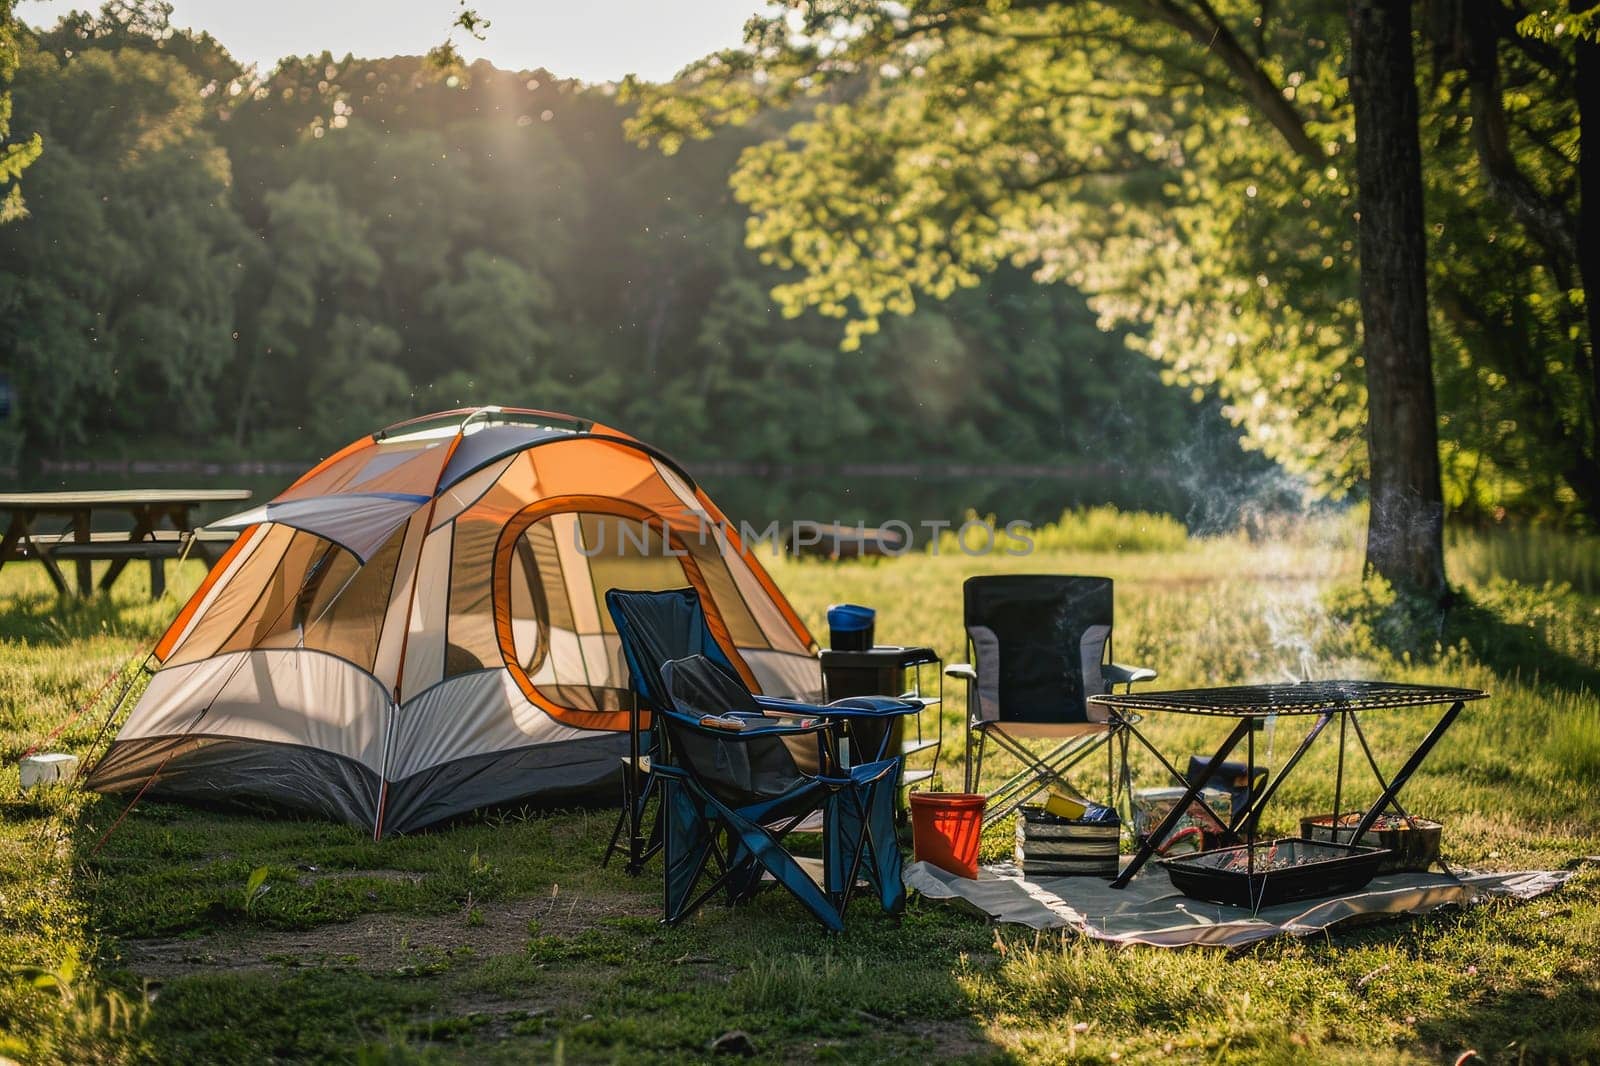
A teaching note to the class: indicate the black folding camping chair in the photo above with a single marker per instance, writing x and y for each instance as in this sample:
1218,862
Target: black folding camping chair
1038,647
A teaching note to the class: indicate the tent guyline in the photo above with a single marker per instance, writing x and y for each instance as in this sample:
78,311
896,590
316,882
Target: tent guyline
416,627
83,708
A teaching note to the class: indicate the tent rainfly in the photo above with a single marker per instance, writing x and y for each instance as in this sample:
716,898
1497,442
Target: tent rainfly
416,628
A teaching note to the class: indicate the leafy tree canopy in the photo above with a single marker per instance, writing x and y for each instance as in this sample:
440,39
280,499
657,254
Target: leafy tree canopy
15,153
1187,164
277,262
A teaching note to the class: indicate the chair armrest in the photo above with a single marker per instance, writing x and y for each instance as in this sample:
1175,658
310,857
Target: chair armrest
776,728
871,706
962,670
869,772
863,774
1118,674
848,707
874,705
778,706
786,709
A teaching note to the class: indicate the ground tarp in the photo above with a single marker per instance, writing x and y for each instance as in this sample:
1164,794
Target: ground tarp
1151,911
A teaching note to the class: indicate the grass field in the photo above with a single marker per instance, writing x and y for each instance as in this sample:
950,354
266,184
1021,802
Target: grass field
193,936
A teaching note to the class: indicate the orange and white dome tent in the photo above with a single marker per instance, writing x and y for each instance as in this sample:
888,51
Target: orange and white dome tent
417,627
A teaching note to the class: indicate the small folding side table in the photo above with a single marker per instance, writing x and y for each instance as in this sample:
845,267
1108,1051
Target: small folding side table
890,670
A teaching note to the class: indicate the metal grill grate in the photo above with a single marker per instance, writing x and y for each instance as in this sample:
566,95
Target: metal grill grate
1305,697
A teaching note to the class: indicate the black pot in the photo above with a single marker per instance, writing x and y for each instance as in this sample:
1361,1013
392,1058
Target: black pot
851,627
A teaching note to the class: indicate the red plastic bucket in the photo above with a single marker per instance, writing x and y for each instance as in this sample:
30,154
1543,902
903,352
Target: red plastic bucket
945,827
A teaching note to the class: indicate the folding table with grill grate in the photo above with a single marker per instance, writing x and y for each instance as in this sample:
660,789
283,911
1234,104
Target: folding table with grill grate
1250,705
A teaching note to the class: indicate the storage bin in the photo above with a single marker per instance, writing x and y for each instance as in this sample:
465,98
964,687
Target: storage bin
1049,845
1411,849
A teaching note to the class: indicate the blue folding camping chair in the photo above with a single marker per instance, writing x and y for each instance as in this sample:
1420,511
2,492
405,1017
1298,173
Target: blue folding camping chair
732,793
656,627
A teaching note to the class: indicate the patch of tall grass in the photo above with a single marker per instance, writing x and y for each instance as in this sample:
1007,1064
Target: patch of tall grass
797,982
1529,555
1106,529
1532,556
1089,529
1572,742
94,1023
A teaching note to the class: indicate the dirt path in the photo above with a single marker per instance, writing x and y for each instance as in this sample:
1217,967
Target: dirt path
378,943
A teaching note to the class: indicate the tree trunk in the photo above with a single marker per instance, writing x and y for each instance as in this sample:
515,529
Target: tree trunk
1405,532
1588,85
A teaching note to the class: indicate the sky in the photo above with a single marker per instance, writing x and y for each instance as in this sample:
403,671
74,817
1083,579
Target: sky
595,40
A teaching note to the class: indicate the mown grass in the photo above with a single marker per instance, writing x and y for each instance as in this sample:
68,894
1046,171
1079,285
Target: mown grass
501,939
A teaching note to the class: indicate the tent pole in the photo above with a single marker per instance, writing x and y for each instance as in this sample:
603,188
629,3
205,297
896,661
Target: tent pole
405,626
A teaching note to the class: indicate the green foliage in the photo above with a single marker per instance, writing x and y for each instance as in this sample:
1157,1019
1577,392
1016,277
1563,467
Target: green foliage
1552,22
126,323
1382,619
1188,166
254,886
279,262
15,155
1090,529
1106,529
1528,555
93,1023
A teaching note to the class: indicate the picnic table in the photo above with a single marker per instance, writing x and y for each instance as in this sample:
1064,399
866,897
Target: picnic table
161,529
1249,706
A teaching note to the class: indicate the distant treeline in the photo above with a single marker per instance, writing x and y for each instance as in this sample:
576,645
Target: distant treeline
226,264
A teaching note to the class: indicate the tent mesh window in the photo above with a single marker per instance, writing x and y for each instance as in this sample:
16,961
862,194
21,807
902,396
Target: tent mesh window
311,594
338,606
563,563
469,633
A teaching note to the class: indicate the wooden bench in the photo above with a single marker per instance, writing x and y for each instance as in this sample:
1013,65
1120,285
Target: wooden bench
160,523
156,547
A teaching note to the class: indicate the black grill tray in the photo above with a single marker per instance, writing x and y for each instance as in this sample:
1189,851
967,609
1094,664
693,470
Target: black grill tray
1285,871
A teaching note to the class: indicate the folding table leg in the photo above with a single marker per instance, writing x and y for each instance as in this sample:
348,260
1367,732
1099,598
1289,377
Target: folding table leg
1152,841
1228,834
1253,809
1388,795
1038,772
1377,771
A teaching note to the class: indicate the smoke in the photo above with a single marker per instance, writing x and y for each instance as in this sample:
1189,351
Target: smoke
1296,624
1299,545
